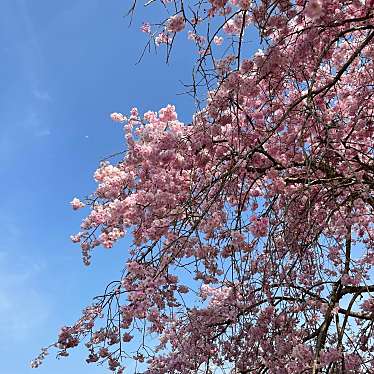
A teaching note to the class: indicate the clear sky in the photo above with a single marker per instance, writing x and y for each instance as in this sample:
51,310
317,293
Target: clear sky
65,66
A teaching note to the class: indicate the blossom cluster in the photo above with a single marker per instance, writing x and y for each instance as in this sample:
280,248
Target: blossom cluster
252,226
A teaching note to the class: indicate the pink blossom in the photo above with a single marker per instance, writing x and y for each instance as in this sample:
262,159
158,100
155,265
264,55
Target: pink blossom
175,23
146,28
76,238
218,40
127,337
368,305
314,8
199,39
117,117
230,27
162,38
76,204
250,227
168,113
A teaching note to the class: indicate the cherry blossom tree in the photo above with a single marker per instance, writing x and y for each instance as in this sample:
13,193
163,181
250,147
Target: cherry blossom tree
252,225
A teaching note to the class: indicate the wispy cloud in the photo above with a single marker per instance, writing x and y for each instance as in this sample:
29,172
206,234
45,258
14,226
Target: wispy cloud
20,130
44,132
42,95
22,308
25,102
33,124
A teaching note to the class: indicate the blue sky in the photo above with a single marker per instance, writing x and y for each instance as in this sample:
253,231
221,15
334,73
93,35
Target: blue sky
65,66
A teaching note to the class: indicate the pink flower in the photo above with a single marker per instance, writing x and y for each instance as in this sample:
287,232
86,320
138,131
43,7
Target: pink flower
117,117
218,40
332,355
134,113
314,9
76,204
302,352
126,337
198,39
150,116
243,4
162,38
175,23
168,113
146,28
103,352
368,305
230,27
259,226
352,362
183,289
76,238
349,280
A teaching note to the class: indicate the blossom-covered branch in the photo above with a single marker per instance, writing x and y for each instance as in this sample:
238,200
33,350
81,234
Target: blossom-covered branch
252,225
